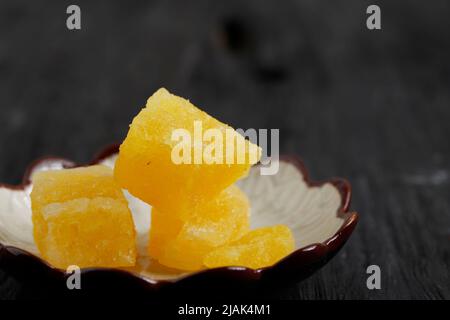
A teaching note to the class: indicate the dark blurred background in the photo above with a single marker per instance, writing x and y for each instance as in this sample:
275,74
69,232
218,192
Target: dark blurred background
370,106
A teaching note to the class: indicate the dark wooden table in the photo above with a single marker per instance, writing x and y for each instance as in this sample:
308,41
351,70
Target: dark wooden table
371,106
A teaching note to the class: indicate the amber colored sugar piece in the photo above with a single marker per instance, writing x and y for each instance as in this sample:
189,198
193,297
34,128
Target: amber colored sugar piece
164,227
259,248
183,245
81,217
146,168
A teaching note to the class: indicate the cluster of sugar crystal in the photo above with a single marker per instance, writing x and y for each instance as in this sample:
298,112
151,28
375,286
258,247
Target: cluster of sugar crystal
199,218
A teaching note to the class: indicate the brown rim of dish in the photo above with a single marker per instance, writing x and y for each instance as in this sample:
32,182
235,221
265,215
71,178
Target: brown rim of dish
304,260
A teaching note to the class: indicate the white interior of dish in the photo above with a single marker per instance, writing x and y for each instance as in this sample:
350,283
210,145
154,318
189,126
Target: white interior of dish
283,198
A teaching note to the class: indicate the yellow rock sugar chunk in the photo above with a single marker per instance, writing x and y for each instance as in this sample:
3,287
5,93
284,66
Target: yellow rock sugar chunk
164,227
259,248
183,245
151,164
81,217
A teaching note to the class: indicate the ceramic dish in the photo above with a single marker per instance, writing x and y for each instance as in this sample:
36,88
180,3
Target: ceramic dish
317,212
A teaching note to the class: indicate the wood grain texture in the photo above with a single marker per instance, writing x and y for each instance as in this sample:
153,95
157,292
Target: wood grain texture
369,106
